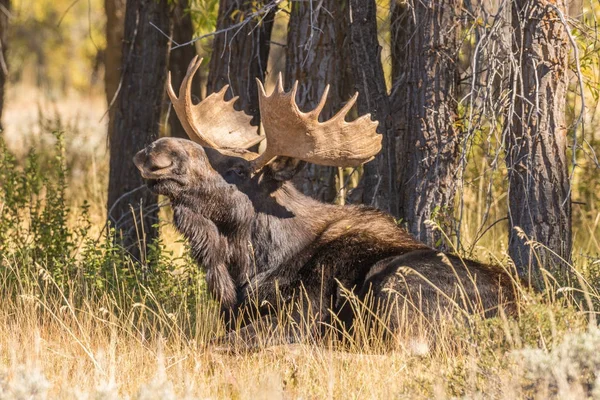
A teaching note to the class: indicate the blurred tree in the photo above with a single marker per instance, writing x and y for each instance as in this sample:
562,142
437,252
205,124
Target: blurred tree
61,40
179,59
241,50
4,16
575,8
137,117
115,25
425,77
378,184
536,143
315,57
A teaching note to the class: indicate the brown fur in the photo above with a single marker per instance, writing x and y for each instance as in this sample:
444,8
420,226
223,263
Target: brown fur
264,243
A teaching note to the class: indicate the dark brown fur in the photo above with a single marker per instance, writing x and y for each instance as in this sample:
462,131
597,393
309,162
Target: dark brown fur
263,242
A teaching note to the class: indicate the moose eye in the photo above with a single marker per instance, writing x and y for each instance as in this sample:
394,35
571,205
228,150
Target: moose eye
235,174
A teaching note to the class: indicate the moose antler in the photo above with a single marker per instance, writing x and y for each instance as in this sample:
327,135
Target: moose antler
213,122
293,133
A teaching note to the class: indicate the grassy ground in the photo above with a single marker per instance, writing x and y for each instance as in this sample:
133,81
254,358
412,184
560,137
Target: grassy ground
78,321
51,347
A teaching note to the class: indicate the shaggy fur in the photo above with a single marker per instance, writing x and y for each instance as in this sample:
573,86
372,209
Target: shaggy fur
262,242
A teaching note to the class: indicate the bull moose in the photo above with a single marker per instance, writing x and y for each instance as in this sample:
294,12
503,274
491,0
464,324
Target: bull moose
262,242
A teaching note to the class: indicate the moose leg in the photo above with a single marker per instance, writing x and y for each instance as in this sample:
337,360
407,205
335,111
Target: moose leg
287,310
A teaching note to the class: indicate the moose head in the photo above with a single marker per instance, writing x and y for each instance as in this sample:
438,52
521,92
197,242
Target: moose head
221,135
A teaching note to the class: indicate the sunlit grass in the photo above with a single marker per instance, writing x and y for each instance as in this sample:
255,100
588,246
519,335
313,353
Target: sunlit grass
139,340
97,349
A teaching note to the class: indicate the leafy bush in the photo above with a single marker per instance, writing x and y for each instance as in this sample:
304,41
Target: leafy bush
43,252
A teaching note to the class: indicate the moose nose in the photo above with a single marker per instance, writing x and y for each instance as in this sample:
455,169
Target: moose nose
139,159
152,163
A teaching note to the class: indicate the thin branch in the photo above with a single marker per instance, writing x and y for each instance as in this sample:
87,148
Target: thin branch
164,34
3,65
122,197
582,94
62,17
5,11
265,10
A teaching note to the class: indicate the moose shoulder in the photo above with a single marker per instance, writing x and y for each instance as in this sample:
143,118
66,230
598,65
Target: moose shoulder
263,242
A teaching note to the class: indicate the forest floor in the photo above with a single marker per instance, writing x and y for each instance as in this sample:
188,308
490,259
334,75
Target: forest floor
78,322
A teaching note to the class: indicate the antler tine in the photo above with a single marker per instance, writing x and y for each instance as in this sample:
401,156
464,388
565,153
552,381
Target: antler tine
185,84
213,122
293,92
185,91
280,84
317,111
261,89
293,133
341,115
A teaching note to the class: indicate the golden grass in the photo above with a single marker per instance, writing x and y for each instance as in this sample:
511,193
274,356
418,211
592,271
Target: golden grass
55,347
52,348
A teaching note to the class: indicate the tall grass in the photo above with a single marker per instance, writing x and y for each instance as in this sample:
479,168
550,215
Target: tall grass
79,319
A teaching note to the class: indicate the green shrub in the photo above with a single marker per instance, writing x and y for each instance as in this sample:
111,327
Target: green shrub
44,253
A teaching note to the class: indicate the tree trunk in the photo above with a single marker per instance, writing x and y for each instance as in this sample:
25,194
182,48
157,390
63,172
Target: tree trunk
575,8
365,58
4,14
136,123
399,32
538,179
179,59
115,25
425,54
315,57
240,54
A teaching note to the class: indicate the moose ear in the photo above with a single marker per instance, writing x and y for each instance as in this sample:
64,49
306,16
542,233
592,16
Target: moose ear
284,168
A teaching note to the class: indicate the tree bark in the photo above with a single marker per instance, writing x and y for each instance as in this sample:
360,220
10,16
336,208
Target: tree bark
575,8
315,57
379,188
425,71
179,59
399,32
115,25
538,179
137,117
4,15
240,54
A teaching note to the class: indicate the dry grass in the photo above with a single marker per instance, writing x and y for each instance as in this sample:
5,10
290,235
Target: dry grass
55,346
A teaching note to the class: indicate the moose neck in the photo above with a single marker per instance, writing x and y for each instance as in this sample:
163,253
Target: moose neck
217,225
291,224
249,236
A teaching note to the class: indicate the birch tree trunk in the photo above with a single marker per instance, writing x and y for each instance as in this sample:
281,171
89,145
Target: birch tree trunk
536,143
315,57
